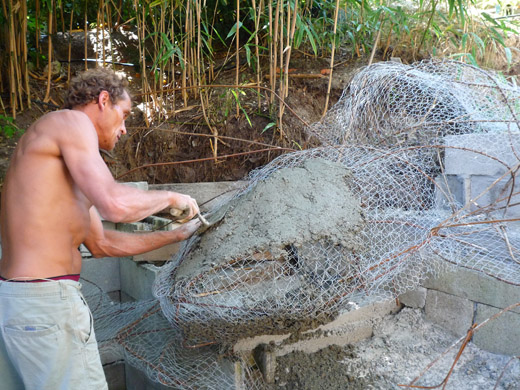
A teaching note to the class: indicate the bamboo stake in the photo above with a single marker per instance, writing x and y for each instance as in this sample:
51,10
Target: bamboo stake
271,52
49,54
336,12
25,68
85,38
70,43
12,59
172,60
37,33
184,69
256,17
282,76
237,58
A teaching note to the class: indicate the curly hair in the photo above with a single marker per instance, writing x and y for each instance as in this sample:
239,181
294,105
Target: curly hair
87,86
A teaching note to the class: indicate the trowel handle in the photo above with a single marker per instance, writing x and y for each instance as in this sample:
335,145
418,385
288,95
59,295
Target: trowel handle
179,214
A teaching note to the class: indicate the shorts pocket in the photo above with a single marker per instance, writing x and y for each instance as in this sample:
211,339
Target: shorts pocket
84,321
34,330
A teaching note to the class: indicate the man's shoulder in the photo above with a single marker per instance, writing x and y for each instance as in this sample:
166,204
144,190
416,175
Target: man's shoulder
63,124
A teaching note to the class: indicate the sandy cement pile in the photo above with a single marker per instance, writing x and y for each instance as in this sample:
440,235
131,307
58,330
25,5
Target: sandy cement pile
291,207
402,346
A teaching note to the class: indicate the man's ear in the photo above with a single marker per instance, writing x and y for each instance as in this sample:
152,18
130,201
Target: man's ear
103,99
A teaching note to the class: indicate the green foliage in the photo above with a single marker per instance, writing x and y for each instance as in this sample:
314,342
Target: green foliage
7,127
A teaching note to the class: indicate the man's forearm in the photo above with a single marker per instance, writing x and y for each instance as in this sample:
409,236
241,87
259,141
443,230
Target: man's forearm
126,204
118,244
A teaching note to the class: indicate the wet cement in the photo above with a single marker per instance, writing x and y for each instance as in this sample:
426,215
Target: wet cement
290,207
249,274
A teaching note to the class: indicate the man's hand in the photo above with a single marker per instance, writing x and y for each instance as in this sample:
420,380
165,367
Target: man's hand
186,205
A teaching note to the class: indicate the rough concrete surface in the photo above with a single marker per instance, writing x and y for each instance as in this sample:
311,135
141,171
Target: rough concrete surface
291,207
402,347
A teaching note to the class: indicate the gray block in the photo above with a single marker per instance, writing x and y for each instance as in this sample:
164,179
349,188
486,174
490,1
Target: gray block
115,375
477,287
206,194
488,193
496,151
137,380
501,335
414,298
450,190
451,312
103,272
137,279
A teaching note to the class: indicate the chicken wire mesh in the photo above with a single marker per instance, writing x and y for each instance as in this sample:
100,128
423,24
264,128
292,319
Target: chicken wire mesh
393,196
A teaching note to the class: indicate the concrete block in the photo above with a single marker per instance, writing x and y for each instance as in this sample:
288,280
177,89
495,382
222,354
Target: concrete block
115,375
111,351
450,189
496,150
364,313
453,313
414,298
137,279
488,193
207,194
265,359
142,185
103,272
137,380
225,374
162,254
477,287
501,335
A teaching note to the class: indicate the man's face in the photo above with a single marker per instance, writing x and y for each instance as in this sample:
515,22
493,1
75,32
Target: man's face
113,124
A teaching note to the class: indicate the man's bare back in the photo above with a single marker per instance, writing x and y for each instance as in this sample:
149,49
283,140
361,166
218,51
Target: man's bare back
56,192
45,217
56,175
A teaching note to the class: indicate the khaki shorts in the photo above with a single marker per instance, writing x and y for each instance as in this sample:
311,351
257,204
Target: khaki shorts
47,338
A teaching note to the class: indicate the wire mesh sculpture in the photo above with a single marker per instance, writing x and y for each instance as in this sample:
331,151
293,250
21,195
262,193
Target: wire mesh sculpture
385,202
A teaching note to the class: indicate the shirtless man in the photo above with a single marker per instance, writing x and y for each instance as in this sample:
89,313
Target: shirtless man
56,188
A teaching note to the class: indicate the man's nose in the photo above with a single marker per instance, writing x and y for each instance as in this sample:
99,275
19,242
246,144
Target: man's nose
123,128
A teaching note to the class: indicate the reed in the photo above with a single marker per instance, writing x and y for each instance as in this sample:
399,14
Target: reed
187,37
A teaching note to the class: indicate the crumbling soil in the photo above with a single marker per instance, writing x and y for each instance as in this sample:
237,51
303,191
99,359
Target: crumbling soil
402,347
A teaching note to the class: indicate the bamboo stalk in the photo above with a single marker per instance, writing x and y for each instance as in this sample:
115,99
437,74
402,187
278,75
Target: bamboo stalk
12,59
37,33
256,17
185,68
70,43
85,37
336,12
282,76
25,68
237,58
172,60
49,54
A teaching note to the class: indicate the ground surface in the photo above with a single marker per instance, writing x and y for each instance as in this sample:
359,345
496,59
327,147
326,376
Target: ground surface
402,347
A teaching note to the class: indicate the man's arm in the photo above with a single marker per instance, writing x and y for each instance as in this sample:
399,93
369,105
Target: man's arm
116,202
112,243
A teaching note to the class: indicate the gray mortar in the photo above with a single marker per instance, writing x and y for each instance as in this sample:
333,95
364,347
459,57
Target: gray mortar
402,346
279,216
291,207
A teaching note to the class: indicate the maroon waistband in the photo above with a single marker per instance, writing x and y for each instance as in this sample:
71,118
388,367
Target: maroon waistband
74,277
